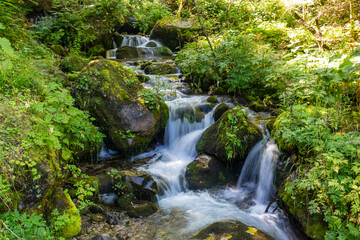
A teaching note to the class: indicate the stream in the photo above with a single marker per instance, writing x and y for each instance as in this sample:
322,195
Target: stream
246,201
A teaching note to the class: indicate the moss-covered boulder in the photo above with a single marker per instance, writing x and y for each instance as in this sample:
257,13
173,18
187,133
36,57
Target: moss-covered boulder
141,184
294,203
73,63
174,33
220,110
129,115
142,78
212,99
234,230
230,138
259,106
206,172
160,69
136,208
55,198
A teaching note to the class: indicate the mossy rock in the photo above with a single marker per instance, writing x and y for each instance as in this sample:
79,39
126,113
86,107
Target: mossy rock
160,69
259,106
127,52
206,172
175,32
57,199
141,184
270,125
212,99
313,225
220,110
58,50
136,208
129,115
233,230
73,63
151,44
97,50
145,64
190,113
143,78
215,139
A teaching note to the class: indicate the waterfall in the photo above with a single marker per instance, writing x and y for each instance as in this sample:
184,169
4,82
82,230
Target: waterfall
181,136
111,54
139,41
258,170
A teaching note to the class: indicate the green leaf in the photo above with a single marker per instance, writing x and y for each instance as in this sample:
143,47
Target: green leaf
66,153
6,46
2,27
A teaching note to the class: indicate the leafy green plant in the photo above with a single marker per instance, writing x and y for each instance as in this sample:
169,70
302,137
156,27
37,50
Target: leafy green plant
15,225
117,178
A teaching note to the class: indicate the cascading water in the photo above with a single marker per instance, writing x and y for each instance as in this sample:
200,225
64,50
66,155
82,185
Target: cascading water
145,48
246,202
181,136
257,173
202,207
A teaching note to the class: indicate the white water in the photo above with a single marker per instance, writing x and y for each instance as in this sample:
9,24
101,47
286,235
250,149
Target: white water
145,47
204,207
138,41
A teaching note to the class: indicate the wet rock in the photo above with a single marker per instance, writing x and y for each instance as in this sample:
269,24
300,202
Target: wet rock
215,140
103,237
206,172
143,78
258,106
174,33
129,115
233,230
212,99
97,217
151,44
219,111
205,108
160,69
135,207
105,183
141,184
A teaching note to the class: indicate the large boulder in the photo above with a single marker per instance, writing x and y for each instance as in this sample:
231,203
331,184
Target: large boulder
129,115
233,230
174,33
230,139
220,110
135,207
206,172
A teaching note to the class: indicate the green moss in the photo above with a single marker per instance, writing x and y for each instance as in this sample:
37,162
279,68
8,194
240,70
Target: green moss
212,99
143,78
258,106
72,63
313,225
58,50
160,69
55,198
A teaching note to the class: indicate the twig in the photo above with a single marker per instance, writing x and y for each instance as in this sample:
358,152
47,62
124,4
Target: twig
10,230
